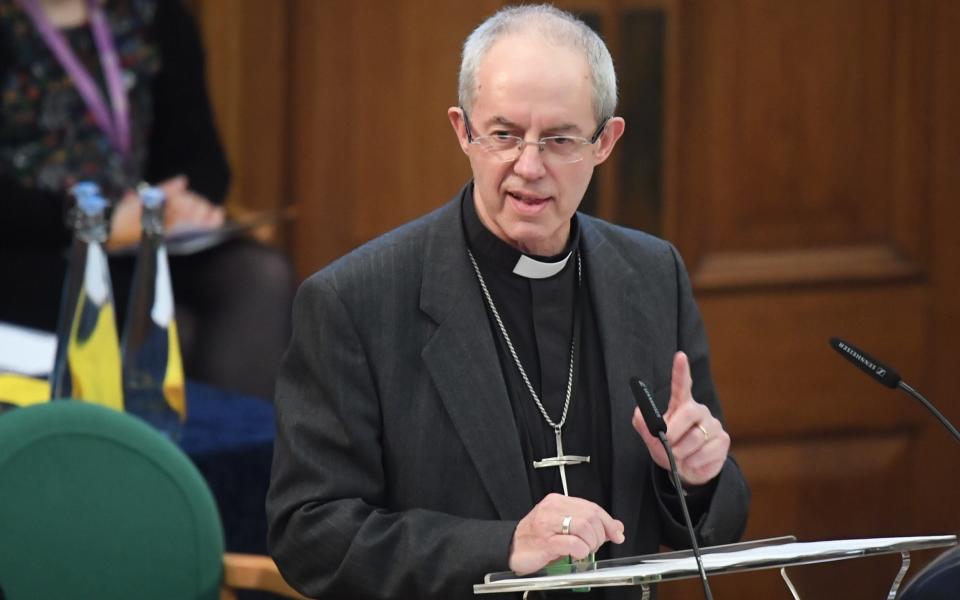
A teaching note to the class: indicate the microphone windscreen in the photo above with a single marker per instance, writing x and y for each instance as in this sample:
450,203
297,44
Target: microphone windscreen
648,408
866,363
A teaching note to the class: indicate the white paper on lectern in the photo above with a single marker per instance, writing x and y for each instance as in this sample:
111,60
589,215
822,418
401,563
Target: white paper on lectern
796,550
26,351
721,560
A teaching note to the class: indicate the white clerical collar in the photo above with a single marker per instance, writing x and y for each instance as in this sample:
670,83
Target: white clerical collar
532,268
506,258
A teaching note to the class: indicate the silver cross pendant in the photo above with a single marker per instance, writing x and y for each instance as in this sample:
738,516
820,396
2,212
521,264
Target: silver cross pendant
560,461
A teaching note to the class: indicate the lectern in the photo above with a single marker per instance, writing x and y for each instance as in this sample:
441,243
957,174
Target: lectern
774,553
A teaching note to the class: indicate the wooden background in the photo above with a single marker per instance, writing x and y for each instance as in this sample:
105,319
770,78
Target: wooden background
810,175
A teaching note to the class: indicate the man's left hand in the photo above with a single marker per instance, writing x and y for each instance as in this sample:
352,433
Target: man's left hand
700,443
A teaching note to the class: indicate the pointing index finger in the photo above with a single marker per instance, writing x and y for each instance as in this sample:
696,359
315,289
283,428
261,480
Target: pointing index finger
681,383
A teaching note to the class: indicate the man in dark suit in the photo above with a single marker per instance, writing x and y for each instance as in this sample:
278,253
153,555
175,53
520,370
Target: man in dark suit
436,371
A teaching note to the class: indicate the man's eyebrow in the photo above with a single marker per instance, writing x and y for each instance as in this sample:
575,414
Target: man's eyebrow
502,121
563,128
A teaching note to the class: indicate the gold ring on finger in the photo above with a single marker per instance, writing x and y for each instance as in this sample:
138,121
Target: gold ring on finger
706,436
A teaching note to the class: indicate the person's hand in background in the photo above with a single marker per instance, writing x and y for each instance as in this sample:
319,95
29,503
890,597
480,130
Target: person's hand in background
183,210
186,210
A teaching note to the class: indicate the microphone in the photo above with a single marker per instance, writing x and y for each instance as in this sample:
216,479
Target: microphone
658,428
887,377
866,363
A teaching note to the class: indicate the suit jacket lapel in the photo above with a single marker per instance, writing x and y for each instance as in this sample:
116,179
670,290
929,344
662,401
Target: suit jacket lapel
622,314
461,358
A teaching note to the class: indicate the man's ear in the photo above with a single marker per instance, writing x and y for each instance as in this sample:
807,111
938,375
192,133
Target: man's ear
608,139
455,114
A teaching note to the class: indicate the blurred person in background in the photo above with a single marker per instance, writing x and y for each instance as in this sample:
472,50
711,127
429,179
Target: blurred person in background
114,92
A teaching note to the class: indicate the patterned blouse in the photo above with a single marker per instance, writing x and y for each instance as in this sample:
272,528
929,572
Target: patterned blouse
48,137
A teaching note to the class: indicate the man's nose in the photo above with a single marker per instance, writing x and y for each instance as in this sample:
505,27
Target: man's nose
529,164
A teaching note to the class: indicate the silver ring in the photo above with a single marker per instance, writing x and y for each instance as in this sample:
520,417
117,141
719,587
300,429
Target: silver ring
565,525
706,436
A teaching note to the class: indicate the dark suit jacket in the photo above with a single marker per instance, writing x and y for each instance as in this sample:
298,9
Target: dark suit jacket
940,580
398,471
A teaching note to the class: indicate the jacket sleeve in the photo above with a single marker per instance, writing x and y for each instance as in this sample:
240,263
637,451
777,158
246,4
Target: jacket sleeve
184,139
331,530
718,511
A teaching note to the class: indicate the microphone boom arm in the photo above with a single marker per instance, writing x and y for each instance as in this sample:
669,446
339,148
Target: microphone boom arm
933,410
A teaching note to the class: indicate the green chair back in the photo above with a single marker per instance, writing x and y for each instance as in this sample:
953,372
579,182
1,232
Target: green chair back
95,504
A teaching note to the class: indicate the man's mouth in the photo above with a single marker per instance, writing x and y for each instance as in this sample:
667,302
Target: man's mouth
528,199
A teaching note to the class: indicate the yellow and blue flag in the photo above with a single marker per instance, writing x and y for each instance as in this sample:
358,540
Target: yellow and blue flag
93,351
153,367
87,365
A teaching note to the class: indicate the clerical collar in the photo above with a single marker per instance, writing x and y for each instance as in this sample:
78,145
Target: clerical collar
484,243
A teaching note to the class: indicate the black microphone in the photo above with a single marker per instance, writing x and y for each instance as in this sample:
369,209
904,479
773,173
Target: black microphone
866,363
658,428
887,377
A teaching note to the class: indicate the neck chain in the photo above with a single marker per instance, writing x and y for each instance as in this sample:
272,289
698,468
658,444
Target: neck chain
516,359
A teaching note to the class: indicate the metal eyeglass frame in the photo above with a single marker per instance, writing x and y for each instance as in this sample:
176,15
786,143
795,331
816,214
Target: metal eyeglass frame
540,143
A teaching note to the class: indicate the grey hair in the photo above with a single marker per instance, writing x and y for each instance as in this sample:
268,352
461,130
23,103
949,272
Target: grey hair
557,26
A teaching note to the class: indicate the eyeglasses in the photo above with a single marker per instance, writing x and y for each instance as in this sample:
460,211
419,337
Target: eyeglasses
558,149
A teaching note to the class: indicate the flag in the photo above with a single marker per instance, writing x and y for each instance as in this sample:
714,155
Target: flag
152,364
93,354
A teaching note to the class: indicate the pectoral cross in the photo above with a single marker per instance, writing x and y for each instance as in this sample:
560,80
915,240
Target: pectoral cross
560,461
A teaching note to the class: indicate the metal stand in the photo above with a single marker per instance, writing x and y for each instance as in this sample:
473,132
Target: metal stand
904,565
793,590
891,595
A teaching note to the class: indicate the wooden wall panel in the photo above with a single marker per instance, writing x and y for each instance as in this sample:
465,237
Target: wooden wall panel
372,146
819,108
248,63
940,459
778,376
809,179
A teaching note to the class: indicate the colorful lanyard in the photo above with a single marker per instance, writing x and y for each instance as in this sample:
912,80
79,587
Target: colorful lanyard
117,125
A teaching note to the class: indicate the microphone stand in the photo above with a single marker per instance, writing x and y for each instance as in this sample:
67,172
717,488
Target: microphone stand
675,475
658,428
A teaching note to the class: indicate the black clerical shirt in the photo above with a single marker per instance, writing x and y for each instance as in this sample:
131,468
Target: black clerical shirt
538,314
